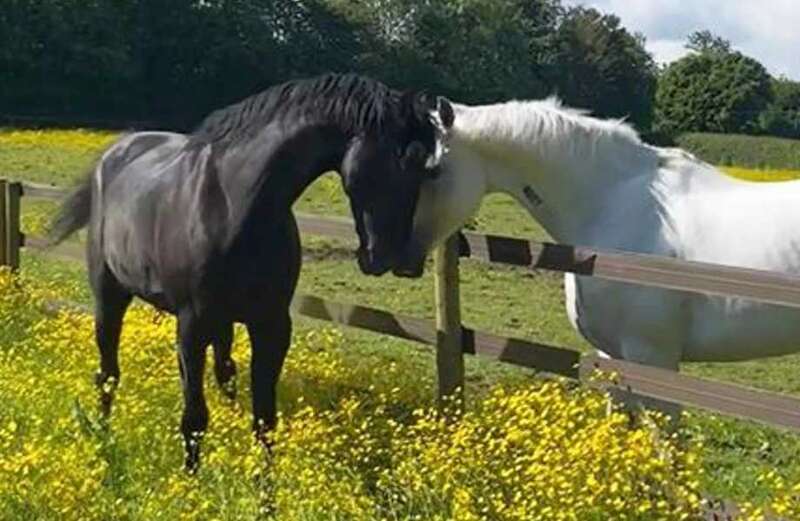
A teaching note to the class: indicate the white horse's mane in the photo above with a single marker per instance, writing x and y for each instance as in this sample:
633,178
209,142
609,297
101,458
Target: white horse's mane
547,126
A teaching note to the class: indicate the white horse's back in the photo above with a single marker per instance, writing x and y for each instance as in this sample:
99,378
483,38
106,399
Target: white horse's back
715,219
721,220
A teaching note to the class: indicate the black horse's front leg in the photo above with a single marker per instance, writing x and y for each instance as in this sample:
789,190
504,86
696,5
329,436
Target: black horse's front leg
192,343
224,366
269,341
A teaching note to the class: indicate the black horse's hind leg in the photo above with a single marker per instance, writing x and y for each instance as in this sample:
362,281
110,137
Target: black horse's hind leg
192,343
269,343
224,366
111,302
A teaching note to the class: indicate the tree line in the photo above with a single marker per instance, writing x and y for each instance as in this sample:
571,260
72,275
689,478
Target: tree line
169,63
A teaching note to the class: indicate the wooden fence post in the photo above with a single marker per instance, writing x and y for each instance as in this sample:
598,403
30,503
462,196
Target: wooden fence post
3,224
13,233
449,353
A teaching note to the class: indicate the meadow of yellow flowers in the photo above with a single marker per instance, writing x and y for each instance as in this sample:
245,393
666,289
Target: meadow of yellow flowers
355,442
80,140
343,451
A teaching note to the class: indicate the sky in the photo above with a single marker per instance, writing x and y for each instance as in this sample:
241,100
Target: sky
767,30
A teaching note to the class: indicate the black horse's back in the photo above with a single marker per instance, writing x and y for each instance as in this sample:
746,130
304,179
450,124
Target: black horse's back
75,212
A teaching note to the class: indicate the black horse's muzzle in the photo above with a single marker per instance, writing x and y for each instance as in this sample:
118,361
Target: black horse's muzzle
412,262
372,263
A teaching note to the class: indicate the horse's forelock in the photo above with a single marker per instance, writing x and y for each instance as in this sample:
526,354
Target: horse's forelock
417,119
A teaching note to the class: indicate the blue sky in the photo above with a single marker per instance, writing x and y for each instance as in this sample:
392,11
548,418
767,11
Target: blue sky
768,30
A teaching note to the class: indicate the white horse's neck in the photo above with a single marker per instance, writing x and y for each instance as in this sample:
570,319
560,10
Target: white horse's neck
562,166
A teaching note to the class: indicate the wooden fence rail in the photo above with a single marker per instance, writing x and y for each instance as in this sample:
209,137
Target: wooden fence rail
445,333
635,268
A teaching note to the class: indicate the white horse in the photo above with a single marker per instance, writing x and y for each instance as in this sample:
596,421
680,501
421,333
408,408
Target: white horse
591,182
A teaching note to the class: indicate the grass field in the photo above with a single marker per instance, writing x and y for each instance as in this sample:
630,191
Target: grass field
508,301
759,152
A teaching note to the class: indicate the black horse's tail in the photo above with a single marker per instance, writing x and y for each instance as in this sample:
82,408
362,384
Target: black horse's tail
74,213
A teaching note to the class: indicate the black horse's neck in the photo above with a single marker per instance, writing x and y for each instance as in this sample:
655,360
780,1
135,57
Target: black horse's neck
309,152
269,147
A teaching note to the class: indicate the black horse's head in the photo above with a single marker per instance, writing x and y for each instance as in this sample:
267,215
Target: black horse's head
382,173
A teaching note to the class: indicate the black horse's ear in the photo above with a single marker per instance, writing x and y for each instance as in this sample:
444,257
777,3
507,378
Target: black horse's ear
446,112
415,104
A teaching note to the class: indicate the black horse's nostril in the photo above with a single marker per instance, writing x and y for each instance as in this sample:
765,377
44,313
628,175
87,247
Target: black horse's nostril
408,272
412,263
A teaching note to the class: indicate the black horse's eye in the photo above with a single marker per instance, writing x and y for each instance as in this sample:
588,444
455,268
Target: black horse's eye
351,188
359,187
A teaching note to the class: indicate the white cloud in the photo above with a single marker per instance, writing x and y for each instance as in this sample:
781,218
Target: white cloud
768,30
665,51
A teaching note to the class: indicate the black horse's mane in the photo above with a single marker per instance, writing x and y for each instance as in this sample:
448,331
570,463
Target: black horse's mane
356,103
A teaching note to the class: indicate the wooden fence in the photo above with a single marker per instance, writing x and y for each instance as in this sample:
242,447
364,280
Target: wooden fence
453,341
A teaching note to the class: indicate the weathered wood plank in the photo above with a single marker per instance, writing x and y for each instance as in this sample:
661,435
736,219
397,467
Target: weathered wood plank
13,233
40,191
634,268
375,320
523,353
334,227
637,268
734,400
449,346
65,250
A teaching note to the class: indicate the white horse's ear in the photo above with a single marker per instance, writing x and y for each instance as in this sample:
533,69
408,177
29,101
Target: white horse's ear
445,110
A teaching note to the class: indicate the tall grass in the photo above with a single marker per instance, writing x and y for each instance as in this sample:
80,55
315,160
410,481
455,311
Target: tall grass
758,152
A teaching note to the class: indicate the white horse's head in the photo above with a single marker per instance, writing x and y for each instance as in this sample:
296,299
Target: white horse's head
557,162
446,202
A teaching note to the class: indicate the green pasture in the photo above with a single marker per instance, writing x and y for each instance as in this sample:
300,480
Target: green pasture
508,301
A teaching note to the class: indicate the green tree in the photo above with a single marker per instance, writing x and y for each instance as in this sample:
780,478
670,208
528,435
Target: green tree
782,116
172,62
193,56
167,62
706,41
715,90
476,51
603,67
54,52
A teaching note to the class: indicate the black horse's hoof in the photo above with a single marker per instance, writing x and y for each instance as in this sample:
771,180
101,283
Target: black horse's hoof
105,402
191,466
229,388
106,387
226,379
191,445
191,463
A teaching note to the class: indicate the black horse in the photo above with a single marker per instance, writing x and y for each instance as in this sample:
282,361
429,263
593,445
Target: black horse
201,225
